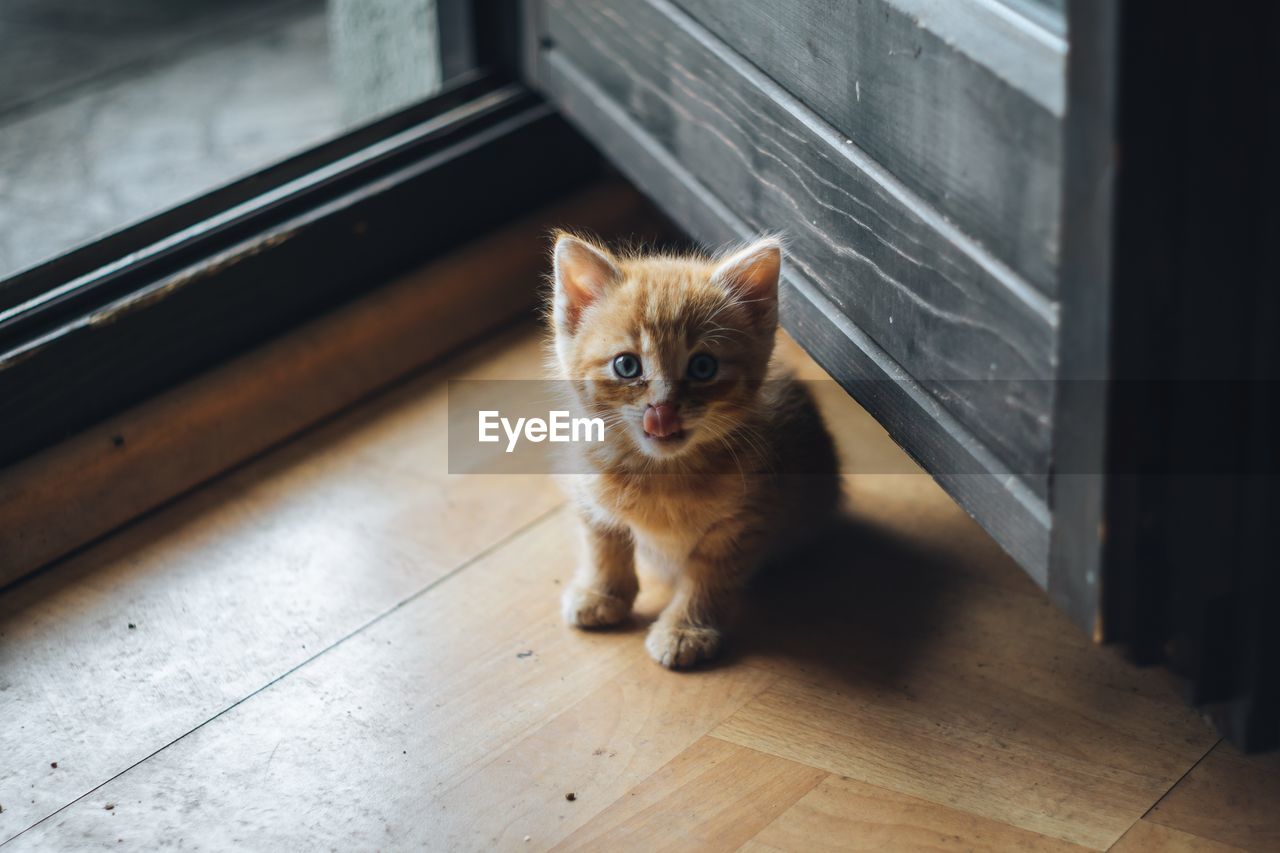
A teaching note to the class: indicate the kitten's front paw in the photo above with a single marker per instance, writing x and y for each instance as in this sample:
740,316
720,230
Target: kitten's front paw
585,607
679,646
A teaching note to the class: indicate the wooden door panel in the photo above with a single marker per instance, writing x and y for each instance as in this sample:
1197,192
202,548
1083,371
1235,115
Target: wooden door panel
962,325
960,100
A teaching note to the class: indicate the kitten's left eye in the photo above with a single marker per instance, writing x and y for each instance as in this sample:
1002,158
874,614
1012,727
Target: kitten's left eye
626,366
702,367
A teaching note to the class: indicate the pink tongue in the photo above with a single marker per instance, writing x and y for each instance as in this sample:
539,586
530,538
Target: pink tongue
661,420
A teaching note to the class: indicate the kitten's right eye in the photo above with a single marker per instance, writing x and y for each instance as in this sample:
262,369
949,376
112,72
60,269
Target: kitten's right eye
626,366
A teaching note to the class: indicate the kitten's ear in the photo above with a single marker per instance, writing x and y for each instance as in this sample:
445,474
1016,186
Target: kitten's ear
752,273
582,273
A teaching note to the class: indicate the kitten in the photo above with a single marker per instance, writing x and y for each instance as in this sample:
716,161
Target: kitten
713,460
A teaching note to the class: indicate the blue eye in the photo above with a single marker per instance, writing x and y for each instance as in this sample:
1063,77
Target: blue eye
627,366
702,367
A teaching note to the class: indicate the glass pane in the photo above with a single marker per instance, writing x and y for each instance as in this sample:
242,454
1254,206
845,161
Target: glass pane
114,110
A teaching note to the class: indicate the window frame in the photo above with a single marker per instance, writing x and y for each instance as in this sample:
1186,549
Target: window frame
108,324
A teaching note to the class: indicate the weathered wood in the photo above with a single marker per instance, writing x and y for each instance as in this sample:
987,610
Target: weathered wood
959,100
961,324
1002,502
1083,353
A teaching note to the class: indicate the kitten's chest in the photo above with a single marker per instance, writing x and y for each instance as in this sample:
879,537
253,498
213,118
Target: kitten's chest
668,506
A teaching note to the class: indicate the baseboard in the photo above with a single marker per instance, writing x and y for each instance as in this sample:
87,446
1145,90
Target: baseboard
75,492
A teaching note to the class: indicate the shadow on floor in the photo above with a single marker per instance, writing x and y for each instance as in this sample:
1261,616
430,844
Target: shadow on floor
859,604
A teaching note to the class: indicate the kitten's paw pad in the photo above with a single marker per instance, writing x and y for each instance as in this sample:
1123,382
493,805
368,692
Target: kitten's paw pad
589,608
679,646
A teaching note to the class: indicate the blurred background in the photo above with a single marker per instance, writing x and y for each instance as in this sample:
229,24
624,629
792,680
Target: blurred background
113,111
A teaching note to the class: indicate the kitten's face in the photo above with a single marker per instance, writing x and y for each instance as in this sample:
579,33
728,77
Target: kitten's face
669,351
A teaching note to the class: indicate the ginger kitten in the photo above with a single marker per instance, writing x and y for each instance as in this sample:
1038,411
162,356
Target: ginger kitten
713,461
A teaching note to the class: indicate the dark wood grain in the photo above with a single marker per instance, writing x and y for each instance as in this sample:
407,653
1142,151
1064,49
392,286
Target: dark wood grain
955,99
1002,502
965,327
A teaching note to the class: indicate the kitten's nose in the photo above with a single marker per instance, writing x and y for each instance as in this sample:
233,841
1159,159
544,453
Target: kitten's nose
661,420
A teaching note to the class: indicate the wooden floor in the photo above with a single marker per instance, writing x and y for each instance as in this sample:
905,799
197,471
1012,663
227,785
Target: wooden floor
341,646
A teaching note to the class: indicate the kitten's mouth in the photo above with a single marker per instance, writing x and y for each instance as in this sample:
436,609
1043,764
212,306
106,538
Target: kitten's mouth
669,439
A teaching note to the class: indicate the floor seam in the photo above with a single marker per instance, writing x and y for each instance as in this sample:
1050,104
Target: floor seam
827,775
1178,781
1167,791
369,623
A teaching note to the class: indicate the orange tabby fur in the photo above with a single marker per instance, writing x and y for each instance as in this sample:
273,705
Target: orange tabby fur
751,468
